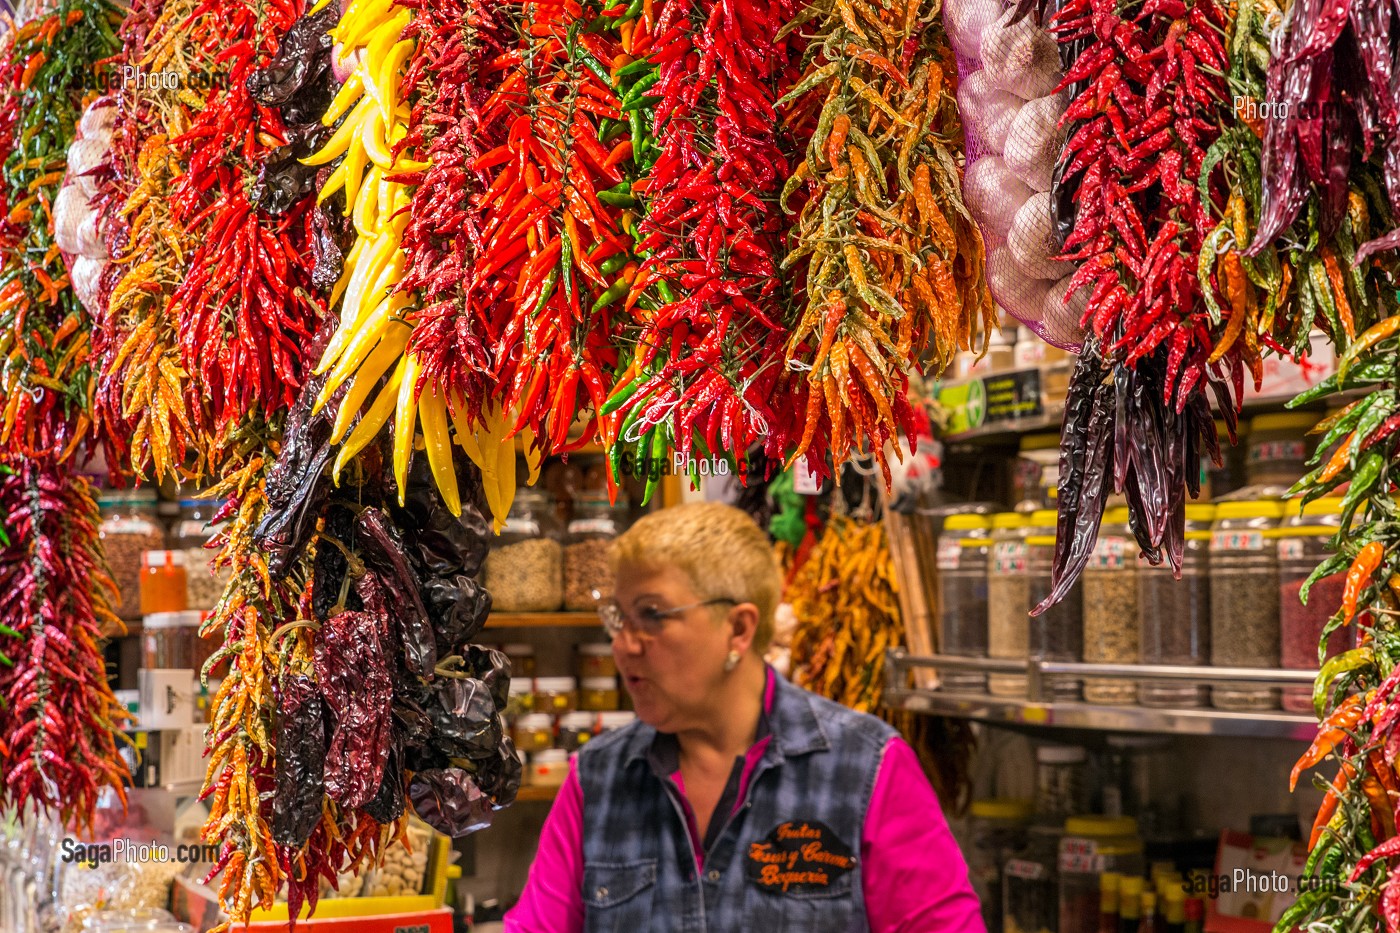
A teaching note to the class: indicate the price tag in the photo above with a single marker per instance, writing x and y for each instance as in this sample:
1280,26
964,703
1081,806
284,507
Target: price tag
803,482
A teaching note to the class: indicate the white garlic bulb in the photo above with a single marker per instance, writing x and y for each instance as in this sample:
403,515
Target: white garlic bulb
1032,239
994,194
1035,141
966,20
1064,311
69,210
989,112
86,278
1021,57
1013,288
98,118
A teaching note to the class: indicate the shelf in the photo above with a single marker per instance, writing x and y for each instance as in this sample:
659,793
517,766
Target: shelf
530,794
543,620
1005,430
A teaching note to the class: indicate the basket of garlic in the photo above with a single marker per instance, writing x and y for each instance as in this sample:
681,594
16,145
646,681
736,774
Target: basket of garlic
1009,70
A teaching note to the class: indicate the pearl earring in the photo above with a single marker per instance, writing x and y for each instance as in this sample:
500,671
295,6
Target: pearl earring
731,662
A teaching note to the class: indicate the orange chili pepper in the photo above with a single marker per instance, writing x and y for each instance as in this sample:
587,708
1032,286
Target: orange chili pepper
1329,803
1334,730
1359,577
1339,290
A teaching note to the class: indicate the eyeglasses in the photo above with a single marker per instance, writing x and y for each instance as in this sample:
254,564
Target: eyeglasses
649,621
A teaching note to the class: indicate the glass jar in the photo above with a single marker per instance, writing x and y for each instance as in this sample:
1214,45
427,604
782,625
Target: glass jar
163,585
618,720
170,640
521,657
1111,609
962,553
534,732
1057,634
556,695
521,696
549,767
1091,846
575,729
998,831
1244,598
1061,790
204,585
524,568
587,553
1030,884
596,660
1276,449
1302,545
598,693
1008,601
1174,615
130,527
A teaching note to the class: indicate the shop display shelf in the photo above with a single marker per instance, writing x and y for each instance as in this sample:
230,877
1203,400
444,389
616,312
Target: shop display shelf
543,620
533,794
1008,430
1036,712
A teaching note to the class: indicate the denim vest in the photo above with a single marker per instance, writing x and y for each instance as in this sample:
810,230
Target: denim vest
805,809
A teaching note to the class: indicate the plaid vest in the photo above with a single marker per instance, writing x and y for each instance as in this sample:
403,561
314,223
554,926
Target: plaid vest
786,860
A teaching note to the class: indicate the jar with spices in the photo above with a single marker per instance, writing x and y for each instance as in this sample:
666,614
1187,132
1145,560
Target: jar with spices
596,660
1061,790
522,658
1302,545
1057,634
524,568
598,693
575,729
1030,884
520,698
587,546
1093,845
618,720
204,584
170,640
1174,615
549,767
1276,450
130,527
556,695
1111,609
998,831
534,732
1008,601
163,587
963,548
1244,598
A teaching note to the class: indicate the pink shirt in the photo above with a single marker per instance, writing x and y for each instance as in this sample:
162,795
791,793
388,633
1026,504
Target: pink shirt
913,874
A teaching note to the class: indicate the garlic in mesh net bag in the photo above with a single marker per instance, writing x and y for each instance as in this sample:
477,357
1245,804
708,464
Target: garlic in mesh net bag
995,110
1020,57
965,23
1035,140
1021,295
1032,240
994,194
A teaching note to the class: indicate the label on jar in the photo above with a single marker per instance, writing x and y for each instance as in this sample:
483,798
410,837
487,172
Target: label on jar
1237,539
128,526
1270,451
1020,868
1080,856
592,526
949,552
1110,553
1009,557
1290,549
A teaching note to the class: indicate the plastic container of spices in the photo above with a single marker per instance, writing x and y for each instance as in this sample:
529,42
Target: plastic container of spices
556,695
1008,601
163,586
1244,598
1174,615
204,586
575,729
1057,634
1302,545
998,831
1030,884
171,640
130,527
522,658
521,697
549,767
524,569
587,546
963,548
534,732
595,659
598,693
1111,609
1092,845
1276,450
1060,786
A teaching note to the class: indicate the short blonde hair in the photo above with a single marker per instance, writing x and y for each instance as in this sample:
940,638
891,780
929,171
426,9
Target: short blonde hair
720,549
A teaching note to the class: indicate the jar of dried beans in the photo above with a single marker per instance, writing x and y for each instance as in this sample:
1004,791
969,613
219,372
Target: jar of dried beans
1008,601
587,553
130,528
1057,634
524,569
1111,609
1244,598
962,553
1303,543
1174,615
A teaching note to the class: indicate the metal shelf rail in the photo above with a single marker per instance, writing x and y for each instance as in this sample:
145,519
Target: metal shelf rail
1036,710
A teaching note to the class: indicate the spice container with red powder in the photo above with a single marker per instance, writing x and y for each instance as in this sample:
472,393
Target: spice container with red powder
164,587
1303,543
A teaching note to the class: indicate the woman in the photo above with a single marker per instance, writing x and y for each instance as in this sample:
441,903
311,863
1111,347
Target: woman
737,801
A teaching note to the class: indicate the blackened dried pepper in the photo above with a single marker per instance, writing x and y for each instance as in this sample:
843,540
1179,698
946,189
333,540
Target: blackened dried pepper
301,761
382,550
353,671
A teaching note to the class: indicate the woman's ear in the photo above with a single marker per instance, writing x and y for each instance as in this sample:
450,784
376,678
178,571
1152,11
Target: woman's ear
743,622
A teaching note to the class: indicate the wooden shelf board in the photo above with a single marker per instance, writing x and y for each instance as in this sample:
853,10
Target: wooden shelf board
536,794
543,620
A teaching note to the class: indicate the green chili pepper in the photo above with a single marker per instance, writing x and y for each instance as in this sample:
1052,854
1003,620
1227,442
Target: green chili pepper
1363,479
613,263
1348,661
617,290
635,68
1301,908
1369,372
1334,564
638,89
658,450
616,199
